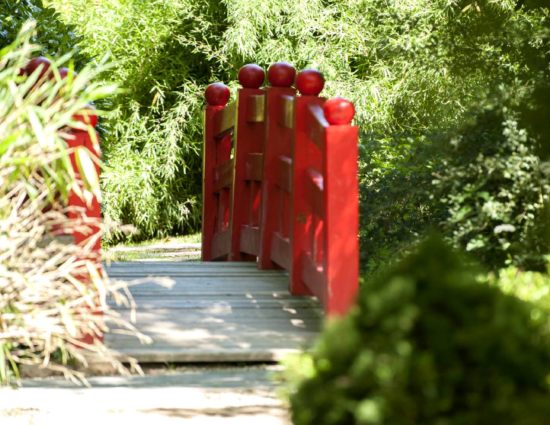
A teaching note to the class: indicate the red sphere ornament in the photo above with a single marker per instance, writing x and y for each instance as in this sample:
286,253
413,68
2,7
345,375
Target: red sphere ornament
40,62
339,111
251,76
217,94
310,82
281,74
64,73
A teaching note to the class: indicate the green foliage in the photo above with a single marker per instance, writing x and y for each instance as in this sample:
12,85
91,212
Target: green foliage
53,36
152,141
427,344
493,187
483,56
526,285
417,71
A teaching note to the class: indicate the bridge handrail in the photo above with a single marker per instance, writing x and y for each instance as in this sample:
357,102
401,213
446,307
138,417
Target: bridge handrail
280,181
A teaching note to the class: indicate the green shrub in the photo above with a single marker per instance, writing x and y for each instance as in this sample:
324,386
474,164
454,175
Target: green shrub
529,286
427,344
493,188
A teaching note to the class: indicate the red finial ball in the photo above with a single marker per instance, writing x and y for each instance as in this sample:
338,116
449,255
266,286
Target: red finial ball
281,74
35,63
64,73
339,111
217,94
251,76
310,82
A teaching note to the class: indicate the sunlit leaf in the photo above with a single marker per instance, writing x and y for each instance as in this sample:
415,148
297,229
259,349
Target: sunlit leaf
87,170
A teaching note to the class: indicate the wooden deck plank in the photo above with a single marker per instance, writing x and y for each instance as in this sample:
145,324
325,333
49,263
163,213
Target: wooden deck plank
214,312
212,303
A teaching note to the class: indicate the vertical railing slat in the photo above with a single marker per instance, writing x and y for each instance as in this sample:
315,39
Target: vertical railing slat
249,131
217,96
278,142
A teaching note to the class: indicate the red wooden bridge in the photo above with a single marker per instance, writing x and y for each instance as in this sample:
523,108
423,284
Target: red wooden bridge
280,226
280,182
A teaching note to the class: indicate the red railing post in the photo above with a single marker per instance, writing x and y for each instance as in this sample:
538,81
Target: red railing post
217,96
276,207
249,147
309,83
325,242
341,198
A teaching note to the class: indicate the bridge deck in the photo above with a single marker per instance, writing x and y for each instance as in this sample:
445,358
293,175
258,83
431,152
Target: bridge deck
214,312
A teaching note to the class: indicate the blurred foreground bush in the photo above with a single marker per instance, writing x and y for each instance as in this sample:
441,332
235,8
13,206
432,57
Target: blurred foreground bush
50,290
427,344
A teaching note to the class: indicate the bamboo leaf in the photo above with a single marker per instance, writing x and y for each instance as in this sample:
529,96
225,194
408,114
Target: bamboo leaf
87,170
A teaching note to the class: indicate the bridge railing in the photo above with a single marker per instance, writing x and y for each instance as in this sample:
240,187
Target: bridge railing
280,181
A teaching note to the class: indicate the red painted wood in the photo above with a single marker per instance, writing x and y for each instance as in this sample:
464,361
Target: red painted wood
316,124
249,149
276,202
341,263
64,73
281,74
87,212
224,175
221,247
251,76
310,82
216,151
40,62
325,234
250,240
339,111
254,166
217,94
307,164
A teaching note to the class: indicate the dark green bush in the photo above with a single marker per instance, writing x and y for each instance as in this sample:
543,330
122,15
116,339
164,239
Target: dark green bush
493,187
427,344
54,37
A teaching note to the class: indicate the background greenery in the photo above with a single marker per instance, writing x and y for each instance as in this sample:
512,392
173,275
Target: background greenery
450,97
